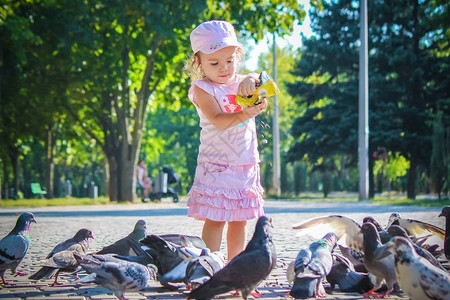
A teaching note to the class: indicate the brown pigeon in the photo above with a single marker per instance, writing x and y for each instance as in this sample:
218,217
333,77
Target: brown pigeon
61,258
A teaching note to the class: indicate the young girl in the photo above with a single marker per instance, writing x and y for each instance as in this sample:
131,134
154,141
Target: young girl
227,185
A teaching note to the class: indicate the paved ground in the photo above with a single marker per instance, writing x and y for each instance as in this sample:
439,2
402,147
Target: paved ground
112,222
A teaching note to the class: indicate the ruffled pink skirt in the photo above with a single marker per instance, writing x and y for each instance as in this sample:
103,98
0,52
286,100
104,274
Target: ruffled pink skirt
226,193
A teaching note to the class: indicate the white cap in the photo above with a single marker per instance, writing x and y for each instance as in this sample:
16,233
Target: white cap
211,36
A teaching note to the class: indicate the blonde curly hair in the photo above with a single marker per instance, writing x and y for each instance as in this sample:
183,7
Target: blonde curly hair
193,69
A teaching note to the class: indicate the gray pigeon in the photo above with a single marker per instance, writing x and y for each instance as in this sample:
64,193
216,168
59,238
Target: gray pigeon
382,268
384,234
417,277
166,255
201,269
311,266
246,270
343,274
355,257
122,246
184,240
117,275
15,245
61,258
446,213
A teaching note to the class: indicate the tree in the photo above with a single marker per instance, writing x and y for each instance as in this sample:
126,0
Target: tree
439,156
18,120
107,62
125,56
402,41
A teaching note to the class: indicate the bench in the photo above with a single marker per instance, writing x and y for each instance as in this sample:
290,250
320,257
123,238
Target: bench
37,190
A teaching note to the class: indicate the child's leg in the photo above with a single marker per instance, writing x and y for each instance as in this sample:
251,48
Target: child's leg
236,237
212,234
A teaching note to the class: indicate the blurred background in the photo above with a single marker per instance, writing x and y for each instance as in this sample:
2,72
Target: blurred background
87,88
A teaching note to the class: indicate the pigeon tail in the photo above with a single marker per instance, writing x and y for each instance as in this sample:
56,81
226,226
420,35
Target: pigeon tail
304,287
43,273
91,278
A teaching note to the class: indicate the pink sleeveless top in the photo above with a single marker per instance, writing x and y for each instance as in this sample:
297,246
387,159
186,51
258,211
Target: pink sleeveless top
237,145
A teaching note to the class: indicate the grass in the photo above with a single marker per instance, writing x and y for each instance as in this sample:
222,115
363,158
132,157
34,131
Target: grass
390,199
417,202
69,201
393,199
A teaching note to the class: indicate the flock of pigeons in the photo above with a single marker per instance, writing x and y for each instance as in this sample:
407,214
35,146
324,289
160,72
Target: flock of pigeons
396,258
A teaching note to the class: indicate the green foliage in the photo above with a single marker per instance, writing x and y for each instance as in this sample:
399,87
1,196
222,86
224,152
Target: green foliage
394,167
439,156
79,76
404,91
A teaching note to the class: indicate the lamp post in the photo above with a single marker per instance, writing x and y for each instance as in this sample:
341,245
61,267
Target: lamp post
363,128
276,129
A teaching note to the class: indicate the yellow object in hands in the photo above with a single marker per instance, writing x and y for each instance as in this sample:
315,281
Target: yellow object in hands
264,88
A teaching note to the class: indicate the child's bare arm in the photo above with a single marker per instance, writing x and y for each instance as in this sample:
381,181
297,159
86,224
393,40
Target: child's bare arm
223,120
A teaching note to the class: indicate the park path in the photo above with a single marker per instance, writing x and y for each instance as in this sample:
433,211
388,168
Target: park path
111,222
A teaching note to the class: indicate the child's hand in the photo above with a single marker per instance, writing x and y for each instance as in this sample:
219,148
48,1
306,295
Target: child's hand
247,87
254,110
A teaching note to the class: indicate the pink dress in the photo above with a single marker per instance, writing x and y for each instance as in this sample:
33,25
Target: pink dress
227,179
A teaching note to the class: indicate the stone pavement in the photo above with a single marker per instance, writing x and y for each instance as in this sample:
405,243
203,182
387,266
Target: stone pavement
111,222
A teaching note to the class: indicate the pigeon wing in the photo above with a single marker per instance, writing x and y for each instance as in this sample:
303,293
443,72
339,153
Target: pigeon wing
63,259
13,249
416,228
341,225
435,283
66,245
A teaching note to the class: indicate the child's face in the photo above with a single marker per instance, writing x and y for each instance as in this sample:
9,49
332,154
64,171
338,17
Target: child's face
219,66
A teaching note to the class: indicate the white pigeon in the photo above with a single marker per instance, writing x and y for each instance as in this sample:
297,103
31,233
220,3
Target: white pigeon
416,276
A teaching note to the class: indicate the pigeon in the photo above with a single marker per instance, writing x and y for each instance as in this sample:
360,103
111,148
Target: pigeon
384,234
415,227
341,225
15,245
446,213
202,268
61,258
311,265
417,277
122,246
184,240
355,257
117,275
396,230
343,274
382,268
167,255
246,270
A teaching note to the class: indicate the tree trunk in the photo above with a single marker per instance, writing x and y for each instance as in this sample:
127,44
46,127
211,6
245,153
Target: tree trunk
371,177
121,174
412,176
50,167
127,173
113,179
14,156
106,177
6,179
